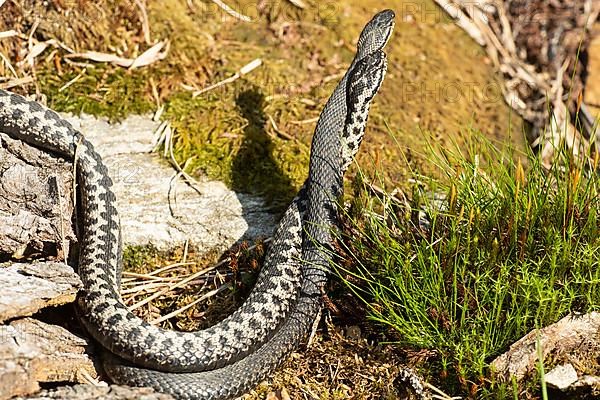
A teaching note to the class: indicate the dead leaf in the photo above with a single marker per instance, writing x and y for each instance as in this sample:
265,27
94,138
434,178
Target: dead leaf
102,57
284,394
151,55
35,51
148,57
298,3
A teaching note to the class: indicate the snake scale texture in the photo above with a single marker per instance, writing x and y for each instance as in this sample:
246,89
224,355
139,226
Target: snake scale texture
231,357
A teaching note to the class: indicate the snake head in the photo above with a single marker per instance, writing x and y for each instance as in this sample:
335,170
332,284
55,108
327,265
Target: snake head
376,33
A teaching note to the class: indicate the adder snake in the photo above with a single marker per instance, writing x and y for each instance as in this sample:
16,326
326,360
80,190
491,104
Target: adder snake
234,355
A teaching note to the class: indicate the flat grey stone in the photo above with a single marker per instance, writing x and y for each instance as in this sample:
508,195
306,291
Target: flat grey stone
213,219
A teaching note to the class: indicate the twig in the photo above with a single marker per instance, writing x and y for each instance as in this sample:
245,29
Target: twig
189,179
160,270
16,82
172,183
193,303
140,288
72,81
186,280
133,278
144,20
172,287
495,32
252,65
164,136
185,250
305,121
314,327
87,378
462,20
333,77
440,395
280,132
231,11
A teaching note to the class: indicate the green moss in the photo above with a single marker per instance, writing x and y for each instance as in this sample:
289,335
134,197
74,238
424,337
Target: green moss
236,133
228,140
98,90
140,259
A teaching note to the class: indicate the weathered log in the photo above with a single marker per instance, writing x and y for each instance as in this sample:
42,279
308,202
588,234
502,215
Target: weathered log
575,338
36,208
27,288
90,392
32,351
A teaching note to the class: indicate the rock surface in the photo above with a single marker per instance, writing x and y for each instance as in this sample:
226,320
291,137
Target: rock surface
154,207
146,192
561,376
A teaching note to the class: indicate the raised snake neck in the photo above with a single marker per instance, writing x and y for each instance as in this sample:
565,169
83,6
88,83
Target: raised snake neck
235,379
261,333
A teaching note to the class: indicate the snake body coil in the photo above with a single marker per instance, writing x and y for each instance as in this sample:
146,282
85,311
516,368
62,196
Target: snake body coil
229,358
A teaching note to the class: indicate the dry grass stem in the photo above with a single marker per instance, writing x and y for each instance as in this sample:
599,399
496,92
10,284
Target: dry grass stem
194,184
144,21
16,82
305,121
72,81
440,394
298,3
231,11
489,24
284,135
147,287
164,269
180,310
176,285
164,136
246,69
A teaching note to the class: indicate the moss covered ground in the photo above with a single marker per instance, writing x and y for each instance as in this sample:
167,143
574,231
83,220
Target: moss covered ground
254,134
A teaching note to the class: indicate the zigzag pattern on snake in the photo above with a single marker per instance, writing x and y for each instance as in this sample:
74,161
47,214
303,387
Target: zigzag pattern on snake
248,345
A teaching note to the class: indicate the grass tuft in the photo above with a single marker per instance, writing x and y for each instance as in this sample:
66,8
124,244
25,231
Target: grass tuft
477,257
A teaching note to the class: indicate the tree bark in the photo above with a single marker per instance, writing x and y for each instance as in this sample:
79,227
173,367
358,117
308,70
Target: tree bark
36,207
